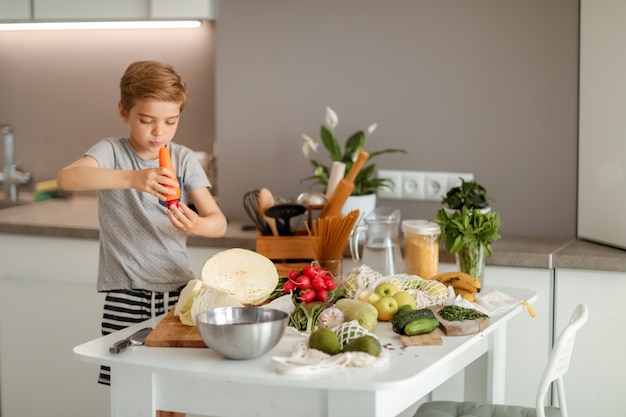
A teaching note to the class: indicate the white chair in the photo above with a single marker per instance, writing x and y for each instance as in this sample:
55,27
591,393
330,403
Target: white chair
558,365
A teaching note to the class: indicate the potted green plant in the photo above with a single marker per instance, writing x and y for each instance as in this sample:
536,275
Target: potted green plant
468,226
366,181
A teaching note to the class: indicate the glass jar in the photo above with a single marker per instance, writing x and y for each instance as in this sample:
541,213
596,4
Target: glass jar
421,247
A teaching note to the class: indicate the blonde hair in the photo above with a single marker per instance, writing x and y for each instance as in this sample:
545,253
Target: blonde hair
152,80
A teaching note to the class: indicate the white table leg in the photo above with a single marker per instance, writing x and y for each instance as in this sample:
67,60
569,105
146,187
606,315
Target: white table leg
496,366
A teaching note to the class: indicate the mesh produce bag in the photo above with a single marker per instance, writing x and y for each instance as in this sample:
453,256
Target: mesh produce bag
351,330
426,292
306,361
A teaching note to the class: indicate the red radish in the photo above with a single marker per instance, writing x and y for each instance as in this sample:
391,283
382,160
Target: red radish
289,286
303,282
322,272
310,271
329,283
307,296
321,295
293,274
317,283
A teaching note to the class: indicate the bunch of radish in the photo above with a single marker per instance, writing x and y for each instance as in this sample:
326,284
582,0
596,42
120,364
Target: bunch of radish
310,283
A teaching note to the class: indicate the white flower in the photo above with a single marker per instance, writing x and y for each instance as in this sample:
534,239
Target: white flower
308,145
331,118
371,129
318,171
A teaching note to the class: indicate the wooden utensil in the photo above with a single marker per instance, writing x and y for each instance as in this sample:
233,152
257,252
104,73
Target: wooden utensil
265,200
344,188
337,172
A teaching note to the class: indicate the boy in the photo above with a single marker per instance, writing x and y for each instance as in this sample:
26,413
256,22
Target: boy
143,261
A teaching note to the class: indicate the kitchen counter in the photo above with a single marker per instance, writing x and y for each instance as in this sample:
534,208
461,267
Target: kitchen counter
77,217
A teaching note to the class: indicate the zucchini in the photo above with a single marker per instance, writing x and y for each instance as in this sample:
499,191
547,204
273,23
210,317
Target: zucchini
421,326
400,320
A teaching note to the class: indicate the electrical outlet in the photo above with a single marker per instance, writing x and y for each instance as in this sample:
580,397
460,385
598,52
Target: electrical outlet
420,185
412,185
395,192
435,185
454,179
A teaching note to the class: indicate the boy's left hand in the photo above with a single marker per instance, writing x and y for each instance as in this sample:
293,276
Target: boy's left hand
182,217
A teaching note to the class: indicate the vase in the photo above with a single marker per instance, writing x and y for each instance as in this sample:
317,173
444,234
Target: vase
364,203
471,260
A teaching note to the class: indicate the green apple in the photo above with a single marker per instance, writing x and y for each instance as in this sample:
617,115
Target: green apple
405,299
387,307
386,289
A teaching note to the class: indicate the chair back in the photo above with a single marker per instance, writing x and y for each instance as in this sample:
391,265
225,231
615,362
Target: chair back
559,360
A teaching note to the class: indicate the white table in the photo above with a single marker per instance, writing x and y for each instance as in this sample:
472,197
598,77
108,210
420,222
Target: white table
200,381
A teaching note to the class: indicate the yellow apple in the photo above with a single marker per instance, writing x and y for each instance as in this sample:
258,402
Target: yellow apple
386,289
368,296
373,298
364,295
387,307
405,299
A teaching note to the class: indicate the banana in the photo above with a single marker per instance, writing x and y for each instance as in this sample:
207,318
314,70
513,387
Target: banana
463,284
469,296
458,279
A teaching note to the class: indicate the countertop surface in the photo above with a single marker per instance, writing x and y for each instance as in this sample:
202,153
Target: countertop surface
77,217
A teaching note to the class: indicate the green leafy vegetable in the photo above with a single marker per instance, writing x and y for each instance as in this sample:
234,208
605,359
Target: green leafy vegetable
466,226
458,313
304,317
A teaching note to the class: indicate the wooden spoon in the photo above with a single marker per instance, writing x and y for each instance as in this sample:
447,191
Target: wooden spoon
265,200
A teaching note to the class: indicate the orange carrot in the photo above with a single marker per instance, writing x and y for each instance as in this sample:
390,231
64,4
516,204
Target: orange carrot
165,161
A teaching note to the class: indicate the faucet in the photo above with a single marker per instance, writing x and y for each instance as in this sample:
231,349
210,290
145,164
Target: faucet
12,175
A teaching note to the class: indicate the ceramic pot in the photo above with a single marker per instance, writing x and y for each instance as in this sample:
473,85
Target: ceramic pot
365,203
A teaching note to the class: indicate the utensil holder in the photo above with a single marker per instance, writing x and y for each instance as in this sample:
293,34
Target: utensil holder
287,252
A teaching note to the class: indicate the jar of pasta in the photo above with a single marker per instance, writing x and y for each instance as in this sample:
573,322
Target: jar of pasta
421,247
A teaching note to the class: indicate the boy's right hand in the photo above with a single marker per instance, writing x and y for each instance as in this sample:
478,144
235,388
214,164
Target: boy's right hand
155,181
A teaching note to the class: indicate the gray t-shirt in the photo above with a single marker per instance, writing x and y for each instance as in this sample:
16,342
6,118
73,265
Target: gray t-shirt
139,246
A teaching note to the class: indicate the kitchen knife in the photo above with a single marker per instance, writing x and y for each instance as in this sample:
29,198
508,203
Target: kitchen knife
344,188
136,338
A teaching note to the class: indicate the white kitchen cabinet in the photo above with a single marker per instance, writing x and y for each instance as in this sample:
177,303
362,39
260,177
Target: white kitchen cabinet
90,9
181,9
15,10
594,383
72,10
48,305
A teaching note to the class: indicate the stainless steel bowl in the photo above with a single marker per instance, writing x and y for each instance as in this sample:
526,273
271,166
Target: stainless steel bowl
242,332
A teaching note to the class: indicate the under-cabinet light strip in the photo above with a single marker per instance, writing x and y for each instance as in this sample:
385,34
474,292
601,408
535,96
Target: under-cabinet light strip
148,24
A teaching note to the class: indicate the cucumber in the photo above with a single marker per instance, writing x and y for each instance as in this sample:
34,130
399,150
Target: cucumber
421,326
401,319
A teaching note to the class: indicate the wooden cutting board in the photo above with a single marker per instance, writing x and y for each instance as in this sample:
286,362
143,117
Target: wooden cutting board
429,339
170,332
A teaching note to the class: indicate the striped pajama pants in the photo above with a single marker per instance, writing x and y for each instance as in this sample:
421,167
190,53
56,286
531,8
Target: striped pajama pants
123,308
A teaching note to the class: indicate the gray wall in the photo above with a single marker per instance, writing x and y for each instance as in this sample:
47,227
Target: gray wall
483,86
